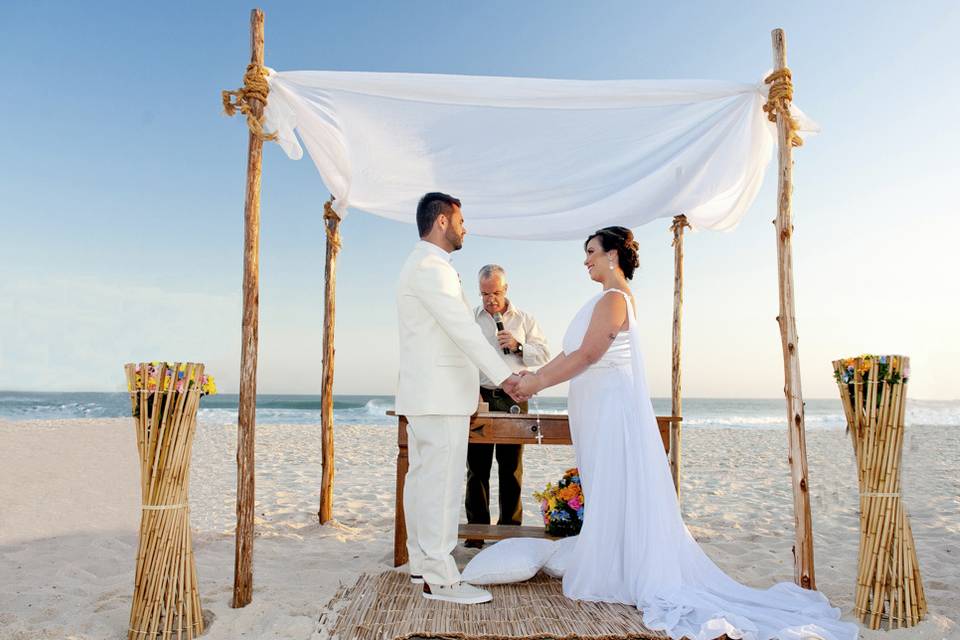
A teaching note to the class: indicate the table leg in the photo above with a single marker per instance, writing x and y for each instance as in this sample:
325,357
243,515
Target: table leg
400,524
675,454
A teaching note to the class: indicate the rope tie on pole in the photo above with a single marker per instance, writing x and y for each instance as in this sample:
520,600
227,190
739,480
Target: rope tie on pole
254,87
679,224
778,102
329,218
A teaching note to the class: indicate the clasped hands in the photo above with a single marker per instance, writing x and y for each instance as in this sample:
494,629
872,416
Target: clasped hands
522,385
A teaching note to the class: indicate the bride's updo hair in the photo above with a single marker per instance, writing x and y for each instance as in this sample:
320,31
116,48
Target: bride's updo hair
621,239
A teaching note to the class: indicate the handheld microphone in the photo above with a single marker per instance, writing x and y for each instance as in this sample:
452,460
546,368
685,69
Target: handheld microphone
498,318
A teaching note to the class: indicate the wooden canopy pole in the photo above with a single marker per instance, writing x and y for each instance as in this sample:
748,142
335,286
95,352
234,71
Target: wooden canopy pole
331,223
679,223
803,573
243,561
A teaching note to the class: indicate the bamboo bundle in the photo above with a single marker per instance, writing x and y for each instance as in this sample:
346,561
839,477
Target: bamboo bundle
873,390
164,401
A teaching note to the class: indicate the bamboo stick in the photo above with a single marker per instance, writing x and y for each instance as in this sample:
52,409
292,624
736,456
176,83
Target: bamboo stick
803,573
895,513
170,597
910,596
902,585
861,427
157,525
883,524
163,548
848,412
182,569
915,597
875,443
881,482
898,564
243,558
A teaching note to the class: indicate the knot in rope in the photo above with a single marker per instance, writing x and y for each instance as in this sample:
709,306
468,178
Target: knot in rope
778,102
679,224
330,222
255,87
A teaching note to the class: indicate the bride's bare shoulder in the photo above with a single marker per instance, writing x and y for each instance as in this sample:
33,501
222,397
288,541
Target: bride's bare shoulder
625,294
615,305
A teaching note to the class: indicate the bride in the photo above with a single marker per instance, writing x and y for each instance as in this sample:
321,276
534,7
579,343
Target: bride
634,547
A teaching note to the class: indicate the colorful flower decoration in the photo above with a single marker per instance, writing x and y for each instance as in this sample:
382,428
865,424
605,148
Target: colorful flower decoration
147,377
856,373
163,377
562,505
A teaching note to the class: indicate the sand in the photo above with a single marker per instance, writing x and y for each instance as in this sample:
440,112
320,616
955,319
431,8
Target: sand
69,501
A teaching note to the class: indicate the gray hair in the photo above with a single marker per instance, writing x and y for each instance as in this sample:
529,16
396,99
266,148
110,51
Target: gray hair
489,270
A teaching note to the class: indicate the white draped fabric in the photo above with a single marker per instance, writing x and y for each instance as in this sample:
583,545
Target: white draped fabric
530,158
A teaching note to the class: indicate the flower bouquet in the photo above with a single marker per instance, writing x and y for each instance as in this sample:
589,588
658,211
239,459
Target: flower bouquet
146,380
852,373
164,400
562,505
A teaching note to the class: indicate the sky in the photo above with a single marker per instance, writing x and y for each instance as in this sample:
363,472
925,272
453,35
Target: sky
121,190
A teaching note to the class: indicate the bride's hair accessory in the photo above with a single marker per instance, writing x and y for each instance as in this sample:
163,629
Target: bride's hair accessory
621,240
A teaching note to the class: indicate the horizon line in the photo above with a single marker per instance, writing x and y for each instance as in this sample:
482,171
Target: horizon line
390,395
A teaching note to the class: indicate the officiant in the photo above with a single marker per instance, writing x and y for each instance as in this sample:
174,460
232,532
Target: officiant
522,345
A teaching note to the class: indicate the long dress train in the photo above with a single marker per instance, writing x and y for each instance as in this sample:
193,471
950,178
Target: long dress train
634,547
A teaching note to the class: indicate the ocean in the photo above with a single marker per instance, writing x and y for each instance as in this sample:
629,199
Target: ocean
371,409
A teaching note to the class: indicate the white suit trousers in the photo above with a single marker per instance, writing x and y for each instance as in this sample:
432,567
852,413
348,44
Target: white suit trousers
433,494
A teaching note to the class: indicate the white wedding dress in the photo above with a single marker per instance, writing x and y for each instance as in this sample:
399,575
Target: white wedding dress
634,547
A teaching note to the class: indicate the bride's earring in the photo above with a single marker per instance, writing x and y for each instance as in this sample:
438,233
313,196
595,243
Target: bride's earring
611,262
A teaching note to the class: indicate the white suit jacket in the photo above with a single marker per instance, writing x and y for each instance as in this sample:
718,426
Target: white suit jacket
442,348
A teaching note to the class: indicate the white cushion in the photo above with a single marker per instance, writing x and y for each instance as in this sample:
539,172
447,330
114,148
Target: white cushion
556,564
510,560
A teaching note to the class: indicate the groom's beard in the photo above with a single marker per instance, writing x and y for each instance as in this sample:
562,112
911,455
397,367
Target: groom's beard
456,241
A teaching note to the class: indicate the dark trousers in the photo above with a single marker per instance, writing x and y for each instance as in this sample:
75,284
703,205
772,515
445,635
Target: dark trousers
509,463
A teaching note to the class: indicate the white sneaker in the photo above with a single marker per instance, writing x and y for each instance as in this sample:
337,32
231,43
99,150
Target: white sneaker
460,593
416,579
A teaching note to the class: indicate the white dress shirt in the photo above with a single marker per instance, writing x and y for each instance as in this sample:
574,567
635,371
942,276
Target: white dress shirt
524,329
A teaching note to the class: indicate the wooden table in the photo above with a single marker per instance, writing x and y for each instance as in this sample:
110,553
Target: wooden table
507,428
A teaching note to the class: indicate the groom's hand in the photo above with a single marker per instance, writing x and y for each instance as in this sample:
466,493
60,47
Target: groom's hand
510,386
529,385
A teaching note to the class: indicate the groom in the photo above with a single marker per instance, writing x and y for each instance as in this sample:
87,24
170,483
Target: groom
441,350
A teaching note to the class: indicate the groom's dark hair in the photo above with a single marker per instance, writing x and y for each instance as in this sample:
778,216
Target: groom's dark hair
432,206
